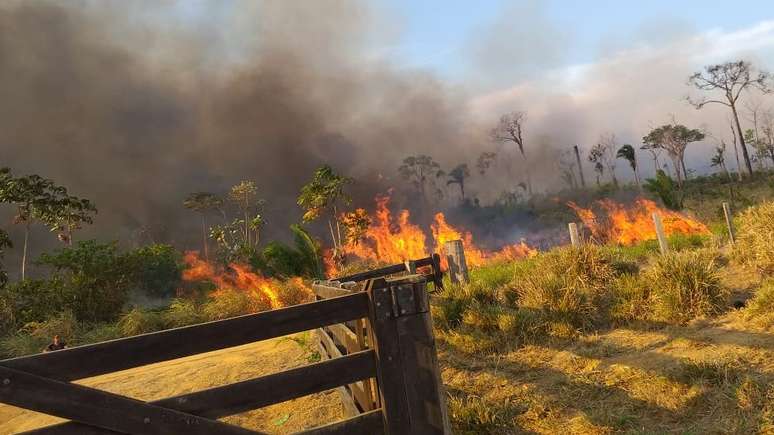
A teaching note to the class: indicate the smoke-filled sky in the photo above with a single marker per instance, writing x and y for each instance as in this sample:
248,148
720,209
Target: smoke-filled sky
135,103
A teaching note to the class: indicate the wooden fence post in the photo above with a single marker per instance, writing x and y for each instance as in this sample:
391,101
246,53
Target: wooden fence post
574,235
410,386
663,245
455,258
729,222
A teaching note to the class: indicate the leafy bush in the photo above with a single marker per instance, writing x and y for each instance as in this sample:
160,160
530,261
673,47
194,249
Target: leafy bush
755,237
664,187
301,259
157,269
138,321
95,279
97,333
685,285
32,300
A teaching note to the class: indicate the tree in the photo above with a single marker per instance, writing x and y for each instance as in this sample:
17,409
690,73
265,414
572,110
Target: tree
245,196
510,129
567,163
68,213
34,197
655,151
603,158
485,161
627,153
420,170
324,193
730,79
202,202
767,131
5,242
719,159
458,176
674,139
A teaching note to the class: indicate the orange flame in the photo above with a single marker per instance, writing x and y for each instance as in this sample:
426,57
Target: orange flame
393,240
631,225
238,277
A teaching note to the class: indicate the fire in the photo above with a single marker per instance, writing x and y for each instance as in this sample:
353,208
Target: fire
394,240
630,225
238,277
389,240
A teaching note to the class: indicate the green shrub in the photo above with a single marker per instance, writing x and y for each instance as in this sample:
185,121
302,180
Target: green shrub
156,269
32,300
183,312
685,285
755,237
93,278
138,321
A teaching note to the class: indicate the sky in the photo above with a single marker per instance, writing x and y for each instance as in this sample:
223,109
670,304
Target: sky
437,34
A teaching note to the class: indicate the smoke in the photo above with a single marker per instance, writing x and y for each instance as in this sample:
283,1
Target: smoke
133,107
136,104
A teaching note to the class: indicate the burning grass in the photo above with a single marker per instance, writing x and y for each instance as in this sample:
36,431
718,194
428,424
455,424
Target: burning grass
629,225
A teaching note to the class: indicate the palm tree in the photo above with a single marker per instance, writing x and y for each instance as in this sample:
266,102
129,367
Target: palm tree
202,202
627,153
458,176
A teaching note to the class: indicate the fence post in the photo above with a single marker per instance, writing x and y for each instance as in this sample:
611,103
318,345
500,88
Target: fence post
574,235
455,258
729,222
410,386
663,245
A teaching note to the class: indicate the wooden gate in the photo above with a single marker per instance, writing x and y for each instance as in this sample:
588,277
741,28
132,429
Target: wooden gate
392,373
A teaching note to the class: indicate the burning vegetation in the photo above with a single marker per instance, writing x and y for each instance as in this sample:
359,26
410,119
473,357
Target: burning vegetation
628,225
262,292
394,239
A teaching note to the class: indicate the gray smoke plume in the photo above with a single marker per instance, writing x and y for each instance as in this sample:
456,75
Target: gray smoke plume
133,109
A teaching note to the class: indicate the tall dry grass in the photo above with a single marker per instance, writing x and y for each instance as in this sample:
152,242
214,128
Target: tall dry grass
755,237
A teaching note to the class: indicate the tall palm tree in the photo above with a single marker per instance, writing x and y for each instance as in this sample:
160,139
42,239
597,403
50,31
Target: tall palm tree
627,153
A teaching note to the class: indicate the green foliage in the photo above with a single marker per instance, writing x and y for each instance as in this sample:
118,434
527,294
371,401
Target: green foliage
420,170
755,237
202,202
323,192
138,321
5,242
32,300
157,269
685,285
94,278
97,332
664,187
34,336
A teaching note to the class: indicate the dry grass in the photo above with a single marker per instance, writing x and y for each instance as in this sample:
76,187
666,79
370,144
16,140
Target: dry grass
755,237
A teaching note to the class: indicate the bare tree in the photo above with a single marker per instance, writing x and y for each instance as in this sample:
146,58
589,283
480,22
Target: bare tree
510,129
567,163
736,149
767,132
603,154
730,79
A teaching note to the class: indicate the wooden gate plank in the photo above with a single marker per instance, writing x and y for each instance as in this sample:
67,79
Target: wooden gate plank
102,409
368,423
111,356
256,393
